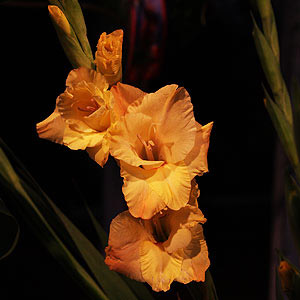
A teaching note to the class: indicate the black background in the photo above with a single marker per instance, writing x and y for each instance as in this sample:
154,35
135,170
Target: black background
218,65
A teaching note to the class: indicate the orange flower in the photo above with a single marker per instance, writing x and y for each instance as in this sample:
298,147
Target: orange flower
83,115
109,56
160,146
168,247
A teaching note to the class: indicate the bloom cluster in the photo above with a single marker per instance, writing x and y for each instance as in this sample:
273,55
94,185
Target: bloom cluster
160,149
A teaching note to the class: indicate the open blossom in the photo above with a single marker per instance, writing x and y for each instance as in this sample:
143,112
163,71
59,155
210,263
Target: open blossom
109,55
168,247
160,146
83,115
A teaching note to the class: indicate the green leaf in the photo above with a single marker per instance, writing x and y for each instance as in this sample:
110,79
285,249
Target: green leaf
69,40
296,113
73,13
269,24
75,241
36,193
102,236
106,278
292,195
272,72
203,290
9,231
283,128
11,183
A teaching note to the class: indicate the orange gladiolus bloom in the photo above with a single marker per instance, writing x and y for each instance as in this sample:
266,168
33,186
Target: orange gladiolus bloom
83,115
160,146
168,247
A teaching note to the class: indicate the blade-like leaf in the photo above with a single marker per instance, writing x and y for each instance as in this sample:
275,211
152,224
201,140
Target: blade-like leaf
9,231
10,182
269,25
102,235
73,13
283,128
296,112
292,195
70,43
59,222
106,278
203,290
272,72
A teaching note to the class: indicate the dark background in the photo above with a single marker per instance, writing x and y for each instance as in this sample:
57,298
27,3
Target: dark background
207,49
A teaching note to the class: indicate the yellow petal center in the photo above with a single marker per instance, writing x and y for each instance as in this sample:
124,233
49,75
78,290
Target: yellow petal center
150,143
148,147
157,228
89,107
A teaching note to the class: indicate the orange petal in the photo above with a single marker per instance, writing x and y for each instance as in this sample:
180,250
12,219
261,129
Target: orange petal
52,128
159,269
172,111
195,193
88,75
177,129
178,224
124,142
196,160
99,153
124,95
149,191
195,258
123,251
75,136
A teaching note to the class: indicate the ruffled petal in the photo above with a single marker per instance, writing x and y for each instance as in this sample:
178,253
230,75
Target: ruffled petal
52,128
100,152
152,103
195,258
195,193
159,269
75,136
177,129
134,247
123,251
124,140
141,200
178,240
172,112
196,160
124,95
179,224
87,75
149,191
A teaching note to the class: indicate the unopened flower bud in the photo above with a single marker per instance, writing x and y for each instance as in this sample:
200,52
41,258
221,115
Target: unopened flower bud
68,39
59,18
109,56
286,274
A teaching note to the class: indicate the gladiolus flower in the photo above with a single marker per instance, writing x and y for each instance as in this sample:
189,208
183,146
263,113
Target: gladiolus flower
161,148
168,247
83,115
109,56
